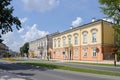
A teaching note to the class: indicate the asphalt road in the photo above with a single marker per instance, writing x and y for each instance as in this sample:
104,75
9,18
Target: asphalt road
9,70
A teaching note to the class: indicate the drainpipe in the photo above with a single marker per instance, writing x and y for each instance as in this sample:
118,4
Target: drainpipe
102,39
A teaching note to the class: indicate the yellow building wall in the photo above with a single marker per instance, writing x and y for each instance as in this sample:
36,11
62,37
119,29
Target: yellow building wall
66,35
108,33
89,35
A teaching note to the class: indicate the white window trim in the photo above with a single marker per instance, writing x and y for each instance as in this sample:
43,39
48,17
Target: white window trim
75,41
76,52
94,38
85,37
84,52
94,50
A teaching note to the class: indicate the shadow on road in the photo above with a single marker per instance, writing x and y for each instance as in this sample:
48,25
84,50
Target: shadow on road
19,66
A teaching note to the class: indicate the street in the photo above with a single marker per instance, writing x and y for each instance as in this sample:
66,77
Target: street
16,71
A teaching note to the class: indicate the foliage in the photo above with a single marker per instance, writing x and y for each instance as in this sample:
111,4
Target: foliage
111,8
7,20
24,49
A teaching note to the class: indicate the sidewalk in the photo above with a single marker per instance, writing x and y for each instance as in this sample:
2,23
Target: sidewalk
101,62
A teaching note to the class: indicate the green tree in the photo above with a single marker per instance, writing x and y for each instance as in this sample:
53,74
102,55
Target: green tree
7,20
111,8
24,49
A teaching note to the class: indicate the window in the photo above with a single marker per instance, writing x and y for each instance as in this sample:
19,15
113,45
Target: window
58,52
94,53
85,52
85,37
64,41
58,42
94,35
54,42
76,39
76,52
69,40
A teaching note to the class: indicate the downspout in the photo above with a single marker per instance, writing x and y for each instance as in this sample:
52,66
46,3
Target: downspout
102,43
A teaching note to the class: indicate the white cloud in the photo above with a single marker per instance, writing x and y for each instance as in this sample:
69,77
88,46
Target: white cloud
15,40
40,5
77,22
12,41
33,33
108,19
21,30
23,20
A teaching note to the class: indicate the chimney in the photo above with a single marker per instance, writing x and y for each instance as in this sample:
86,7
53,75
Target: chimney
93,19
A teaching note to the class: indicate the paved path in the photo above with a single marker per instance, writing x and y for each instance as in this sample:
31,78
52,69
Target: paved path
16,71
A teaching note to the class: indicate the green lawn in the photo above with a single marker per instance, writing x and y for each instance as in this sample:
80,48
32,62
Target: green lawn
53,66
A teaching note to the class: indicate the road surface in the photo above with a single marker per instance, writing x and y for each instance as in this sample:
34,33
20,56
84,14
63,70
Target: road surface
16,71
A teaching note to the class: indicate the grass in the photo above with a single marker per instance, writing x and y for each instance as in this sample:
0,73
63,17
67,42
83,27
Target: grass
53,66
99,64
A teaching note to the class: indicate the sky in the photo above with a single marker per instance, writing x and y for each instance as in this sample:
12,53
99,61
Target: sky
41,17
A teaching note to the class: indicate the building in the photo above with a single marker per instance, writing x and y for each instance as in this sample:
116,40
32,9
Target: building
41,47
4,50
93,41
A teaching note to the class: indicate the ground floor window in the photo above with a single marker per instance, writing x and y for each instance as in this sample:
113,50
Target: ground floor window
84,52
58,52
94,53
76,52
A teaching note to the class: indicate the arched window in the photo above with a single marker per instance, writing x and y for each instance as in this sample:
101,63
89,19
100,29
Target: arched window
64,41
55,43
94,35
58,42
69,39
85,37
76,39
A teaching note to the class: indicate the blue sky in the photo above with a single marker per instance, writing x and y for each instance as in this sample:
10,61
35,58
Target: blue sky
41,17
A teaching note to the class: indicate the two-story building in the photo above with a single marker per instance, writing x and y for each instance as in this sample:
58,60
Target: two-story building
40,47
92,41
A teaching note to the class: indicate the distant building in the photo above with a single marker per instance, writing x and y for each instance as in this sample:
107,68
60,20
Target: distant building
3,49
91,42
41,46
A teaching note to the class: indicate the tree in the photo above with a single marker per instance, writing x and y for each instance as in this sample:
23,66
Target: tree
7,20
24,49
111,8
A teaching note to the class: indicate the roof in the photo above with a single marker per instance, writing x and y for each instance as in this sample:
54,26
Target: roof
82,26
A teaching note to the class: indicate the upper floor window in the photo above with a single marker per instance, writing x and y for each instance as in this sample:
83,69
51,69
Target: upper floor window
85,52
94,53
69,40
85,37
94,35
64,41
76,39
54,42
58,42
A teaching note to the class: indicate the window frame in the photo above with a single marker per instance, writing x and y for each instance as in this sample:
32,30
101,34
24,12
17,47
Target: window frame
85,52
76,39
94,35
